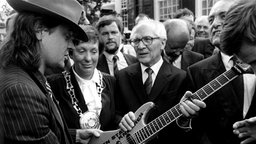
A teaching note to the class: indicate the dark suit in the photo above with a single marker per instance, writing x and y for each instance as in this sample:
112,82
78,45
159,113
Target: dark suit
203,46
166,92
189,57
214,123
103,64
107,114
28,113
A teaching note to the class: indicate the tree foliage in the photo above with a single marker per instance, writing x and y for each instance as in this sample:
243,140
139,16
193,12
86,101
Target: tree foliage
92,8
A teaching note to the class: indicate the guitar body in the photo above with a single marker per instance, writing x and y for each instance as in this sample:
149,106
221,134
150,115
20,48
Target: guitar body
142,132
121,137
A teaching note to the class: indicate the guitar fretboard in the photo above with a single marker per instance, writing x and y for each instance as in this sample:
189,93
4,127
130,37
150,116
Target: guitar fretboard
172,114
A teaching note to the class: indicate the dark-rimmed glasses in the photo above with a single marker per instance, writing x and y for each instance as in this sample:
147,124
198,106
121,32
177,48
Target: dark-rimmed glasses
147,40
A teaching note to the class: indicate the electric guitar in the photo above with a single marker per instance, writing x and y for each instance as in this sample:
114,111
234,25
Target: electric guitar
142,133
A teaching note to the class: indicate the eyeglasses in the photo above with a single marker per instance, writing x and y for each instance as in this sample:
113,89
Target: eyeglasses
146,40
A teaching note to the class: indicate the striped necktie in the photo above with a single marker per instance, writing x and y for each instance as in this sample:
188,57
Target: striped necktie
148,82
53,102
115,58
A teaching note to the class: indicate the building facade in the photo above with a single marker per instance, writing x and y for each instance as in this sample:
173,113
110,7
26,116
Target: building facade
159,9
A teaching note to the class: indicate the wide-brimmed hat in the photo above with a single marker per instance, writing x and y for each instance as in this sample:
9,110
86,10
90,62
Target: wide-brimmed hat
69,11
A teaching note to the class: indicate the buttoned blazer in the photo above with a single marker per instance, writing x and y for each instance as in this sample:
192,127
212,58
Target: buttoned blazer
107,115
26,113
103,64
223,108
189,57
169,86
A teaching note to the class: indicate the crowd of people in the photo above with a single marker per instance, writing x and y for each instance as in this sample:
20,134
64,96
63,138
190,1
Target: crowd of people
63,82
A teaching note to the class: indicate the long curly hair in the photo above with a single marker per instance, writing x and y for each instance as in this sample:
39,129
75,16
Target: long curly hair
21,46
239,26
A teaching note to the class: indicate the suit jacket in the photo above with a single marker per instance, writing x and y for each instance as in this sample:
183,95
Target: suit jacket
28,112
103,64
189,57
169,86
224,107
107,115
203,46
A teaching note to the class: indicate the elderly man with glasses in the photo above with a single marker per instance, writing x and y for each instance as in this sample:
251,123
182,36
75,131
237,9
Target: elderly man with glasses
152,79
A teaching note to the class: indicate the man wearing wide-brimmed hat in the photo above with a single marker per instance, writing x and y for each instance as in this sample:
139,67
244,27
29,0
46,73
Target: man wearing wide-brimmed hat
41,34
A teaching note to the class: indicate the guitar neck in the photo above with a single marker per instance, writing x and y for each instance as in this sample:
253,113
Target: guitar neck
172,114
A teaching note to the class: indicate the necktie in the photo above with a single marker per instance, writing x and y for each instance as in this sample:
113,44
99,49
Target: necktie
48,88
148,82
53,102
115,58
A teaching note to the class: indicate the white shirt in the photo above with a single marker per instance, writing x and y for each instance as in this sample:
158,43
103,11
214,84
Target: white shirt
177,62
249,83
121,62
128,49
89,91
155,69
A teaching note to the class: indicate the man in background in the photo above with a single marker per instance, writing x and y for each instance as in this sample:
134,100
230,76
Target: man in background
202,26
177,38
112,60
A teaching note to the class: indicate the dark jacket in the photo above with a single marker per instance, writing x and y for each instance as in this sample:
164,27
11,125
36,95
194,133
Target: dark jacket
224,107
103,64
168,88
29,114
107,115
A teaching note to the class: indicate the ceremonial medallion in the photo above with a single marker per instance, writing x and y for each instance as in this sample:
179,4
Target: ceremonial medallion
89,120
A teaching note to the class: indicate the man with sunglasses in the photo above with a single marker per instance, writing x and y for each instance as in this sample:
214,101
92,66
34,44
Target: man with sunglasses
152,79
177,38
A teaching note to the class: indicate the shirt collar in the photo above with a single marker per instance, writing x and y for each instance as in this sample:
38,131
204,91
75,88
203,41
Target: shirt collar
110,56
94,79
226,59
156,67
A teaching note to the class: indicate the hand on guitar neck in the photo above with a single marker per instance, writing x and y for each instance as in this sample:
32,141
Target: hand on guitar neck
188,106
135,130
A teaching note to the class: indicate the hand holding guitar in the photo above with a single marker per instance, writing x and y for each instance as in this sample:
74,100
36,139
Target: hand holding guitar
135,130
189,106
84,135
246,129
128,121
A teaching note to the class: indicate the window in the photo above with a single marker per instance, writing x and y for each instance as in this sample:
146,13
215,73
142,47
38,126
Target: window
167,8
207,5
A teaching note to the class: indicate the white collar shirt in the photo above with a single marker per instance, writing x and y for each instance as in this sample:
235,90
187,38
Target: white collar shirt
249,83
156,67
177,62
121,62
89,91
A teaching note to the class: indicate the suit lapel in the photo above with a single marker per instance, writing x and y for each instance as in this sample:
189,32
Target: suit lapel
235,90
184,60
161,79
103,64
135,77
252,109
40,81
78,92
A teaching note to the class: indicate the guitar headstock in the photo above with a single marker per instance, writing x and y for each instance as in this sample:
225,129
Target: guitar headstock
243,68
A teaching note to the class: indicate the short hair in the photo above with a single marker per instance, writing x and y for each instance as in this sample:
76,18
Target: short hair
239,26
21,46
140,17
93,37
157,27
179,30
183,12
109,19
